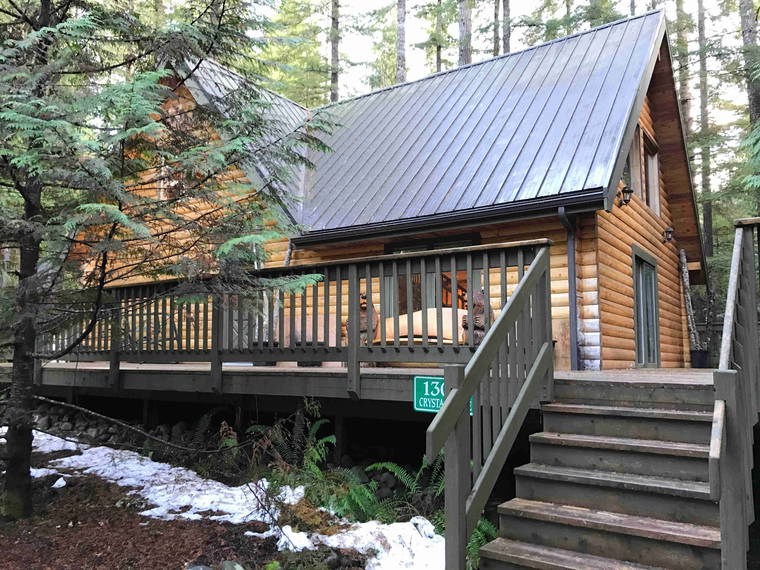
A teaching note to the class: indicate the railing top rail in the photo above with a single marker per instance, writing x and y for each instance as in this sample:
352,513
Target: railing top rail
747,222
731,296
300,267
414,254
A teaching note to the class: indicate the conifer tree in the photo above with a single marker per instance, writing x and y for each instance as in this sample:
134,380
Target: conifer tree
439,14
89,134
299,69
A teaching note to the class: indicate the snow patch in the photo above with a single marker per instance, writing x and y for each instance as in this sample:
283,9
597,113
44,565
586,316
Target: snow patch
176,493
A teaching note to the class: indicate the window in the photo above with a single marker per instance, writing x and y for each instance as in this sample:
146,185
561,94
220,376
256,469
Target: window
651,174
642,169
397,295
632,170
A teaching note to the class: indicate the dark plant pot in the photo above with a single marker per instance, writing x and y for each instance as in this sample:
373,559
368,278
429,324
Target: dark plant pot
700,359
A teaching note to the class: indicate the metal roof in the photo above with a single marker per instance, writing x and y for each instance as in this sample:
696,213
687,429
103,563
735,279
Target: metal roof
544,122
547,125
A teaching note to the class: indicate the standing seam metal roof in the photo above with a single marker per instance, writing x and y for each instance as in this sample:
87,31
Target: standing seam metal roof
543,124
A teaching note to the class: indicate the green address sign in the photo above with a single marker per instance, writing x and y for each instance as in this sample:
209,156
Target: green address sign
429,394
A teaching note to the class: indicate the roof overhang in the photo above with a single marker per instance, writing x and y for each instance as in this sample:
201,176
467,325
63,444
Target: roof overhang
574,203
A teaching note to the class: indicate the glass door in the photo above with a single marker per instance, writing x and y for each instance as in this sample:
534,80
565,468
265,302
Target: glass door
647,334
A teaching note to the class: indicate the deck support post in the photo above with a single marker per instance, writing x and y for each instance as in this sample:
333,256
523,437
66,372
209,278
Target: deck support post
457,478
340,439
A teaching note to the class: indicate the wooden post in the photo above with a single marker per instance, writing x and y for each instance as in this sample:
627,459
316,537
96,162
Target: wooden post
114,362
457,474
340,439
544,288
353,383
733,508
216,341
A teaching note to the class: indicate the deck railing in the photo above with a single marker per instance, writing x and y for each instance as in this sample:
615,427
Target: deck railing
511,367
411,294
737,402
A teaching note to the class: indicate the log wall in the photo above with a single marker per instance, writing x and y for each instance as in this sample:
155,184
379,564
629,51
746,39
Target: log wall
637,224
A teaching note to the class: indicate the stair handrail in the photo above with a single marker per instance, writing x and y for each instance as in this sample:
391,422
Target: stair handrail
458,398
737,398
465,502
717,447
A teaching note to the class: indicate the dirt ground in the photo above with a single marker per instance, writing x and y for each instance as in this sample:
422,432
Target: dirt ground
90,524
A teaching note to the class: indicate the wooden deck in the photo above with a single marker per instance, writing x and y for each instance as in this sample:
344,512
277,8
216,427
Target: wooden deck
379,384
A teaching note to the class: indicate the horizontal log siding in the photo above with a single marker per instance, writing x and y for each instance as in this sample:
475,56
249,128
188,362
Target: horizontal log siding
617,230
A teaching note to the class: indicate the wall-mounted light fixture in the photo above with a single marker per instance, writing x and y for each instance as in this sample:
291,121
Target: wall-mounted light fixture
625,195
667,234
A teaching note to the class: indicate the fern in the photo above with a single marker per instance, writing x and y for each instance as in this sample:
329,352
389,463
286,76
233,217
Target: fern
485,531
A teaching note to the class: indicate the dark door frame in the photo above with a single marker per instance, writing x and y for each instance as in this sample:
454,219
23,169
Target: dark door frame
639,253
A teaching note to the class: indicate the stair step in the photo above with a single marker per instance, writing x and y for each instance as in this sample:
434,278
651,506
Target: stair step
678,460
664,424
657,413
654,446
503,553
643,495
645,527
634,391
645,540
629,481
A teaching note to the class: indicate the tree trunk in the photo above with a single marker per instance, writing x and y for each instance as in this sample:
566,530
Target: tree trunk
568,17
496,38
401,41
749,41
438,32
465,32
506,27
334,47
633,8
682,58
17,496
704,126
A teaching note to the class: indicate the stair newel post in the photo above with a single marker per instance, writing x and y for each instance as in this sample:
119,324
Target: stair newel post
543,289
733,507
114,363
352,361
457,478
217,328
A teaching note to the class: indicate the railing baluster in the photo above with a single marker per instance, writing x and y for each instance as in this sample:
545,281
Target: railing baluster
315,315
370,304
339,306
454,301
439,302
292,340
396,306
470,303
409,304
424,301
326,306
383,308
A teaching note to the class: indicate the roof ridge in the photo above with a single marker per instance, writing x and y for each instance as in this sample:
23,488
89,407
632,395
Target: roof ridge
248,81
484,61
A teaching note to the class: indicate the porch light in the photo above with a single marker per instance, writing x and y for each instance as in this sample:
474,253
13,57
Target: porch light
626,194
667,235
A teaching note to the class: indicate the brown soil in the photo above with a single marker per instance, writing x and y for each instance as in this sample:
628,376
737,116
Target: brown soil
91,524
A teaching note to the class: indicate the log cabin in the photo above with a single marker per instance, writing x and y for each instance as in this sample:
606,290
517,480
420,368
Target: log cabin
512,228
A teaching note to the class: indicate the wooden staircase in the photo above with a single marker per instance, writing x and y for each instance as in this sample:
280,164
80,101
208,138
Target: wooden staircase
618,479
